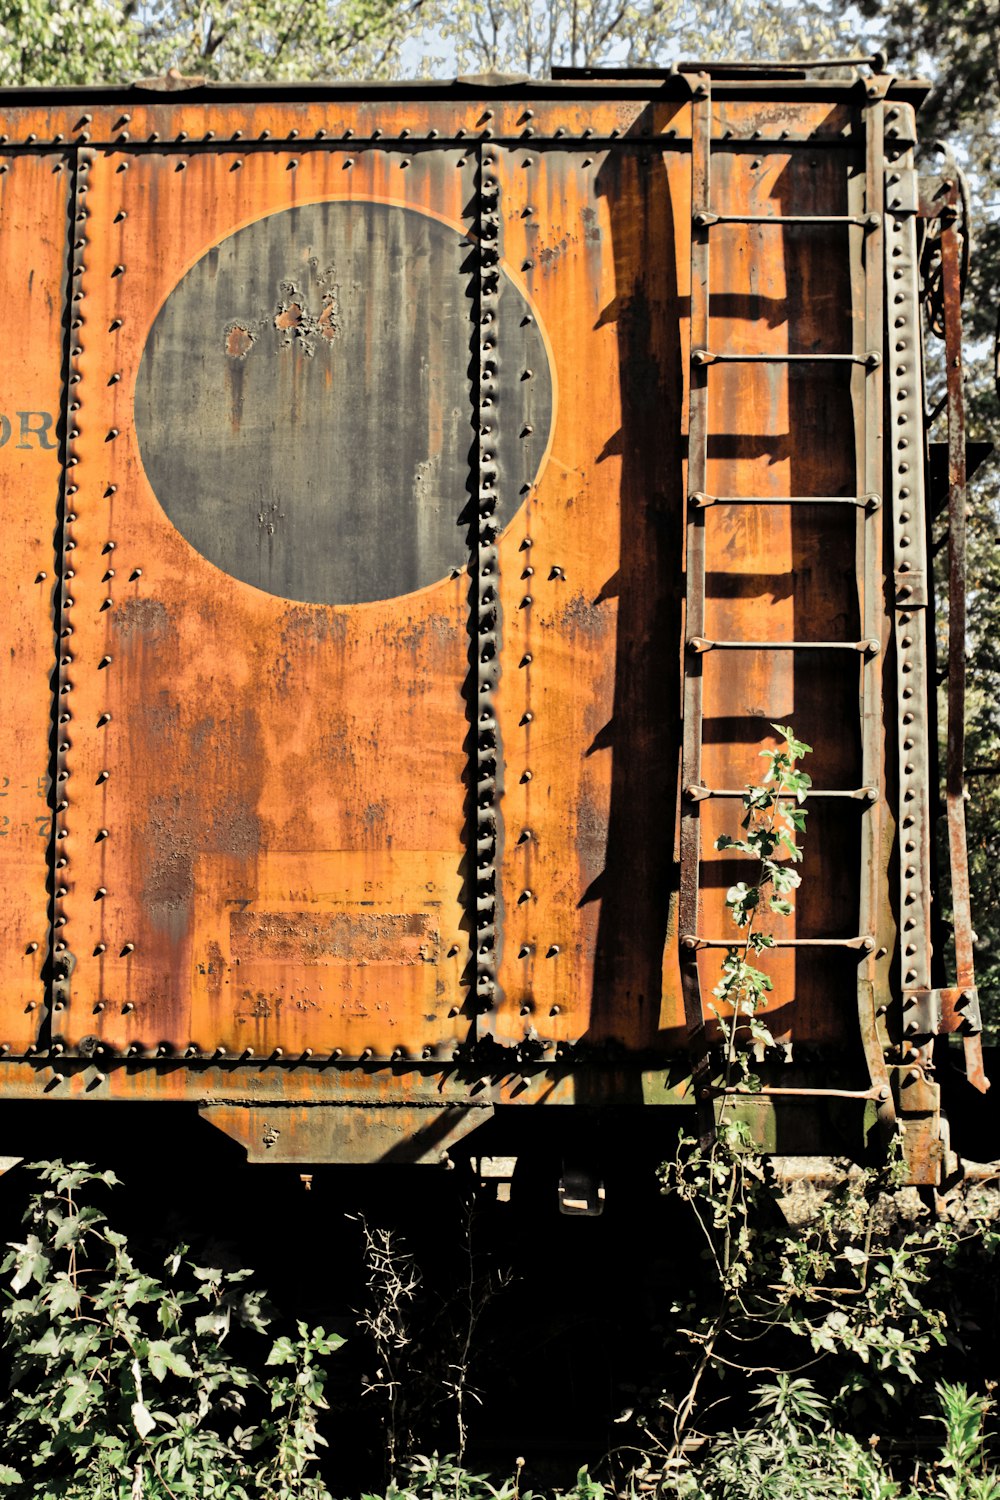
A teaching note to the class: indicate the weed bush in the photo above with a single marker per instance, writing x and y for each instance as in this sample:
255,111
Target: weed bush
123,1383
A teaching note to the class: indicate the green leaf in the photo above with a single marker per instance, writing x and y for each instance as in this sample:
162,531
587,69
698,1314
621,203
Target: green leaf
46,1347
32,1261
75,1226
796,748
64,1296
144,1420
283,1352
213,1324
326,1343
78,1396
164,1357
142,1289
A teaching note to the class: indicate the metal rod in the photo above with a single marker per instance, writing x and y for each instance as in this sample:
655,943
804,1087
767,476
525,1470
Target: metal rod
876,61
857,794
863,944
863,502
698,645
702,356
870,1093
708,219
961,901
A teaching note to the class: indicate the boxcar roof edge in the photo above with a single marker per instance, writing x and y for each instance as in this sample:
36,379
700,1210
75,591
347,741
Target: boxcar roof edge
670,85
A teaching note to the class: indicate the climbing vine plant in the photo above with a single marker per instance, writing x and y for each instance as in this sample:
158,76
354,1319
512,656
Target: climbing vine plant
773,817
849,1291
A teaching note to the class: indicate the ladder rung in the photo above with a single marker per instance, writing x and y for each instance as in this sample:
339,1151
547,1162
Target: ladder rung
705,218
877,1091
861,944
698,644
720,66
857,794
700,501
870,359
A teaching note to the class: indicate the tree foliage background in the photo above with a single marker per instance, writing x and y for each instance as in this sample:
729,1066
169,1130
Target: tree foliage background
107,41
956,44
117,41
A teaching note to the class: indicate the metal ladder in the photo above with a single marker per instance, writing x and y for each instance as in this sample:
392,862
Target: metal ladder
868,505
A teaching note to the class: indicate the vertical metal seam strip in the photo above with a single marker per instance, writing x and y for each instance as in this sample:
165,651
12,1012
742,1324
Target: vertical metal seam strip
872,590
694,569
485,729
957,618
958,848
61,956
910,589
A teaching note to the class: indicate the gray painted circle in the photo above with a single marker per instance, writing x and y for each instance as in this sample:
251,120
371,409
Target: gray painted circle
305,402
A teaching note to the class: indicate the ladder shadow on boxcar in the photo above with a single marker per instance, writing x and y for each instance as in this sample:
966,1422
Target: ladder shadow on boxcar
639,881
634,887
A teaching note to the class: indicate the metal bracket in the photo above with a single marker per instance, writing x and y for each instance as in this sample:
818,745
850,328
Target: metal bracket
697,78
942,1012
902,195
877,87
911,588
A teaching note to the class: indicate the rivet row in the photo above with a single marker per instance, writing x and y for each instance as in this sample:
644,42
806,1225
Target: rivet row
67,666
909,563
289,1057
123,130
487,596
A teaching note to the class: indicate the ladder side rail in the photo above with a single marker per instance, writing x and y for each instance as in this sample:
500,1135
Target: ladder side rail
871,524
694,581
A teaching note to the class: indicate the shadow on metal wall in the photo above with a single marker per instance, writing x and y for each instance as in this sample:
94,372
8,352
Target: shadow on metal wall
813,562
640,872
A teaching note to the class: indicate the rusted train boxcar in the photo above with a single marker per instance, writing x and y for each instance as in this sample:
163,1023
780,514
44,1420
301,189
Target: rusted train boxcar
421,501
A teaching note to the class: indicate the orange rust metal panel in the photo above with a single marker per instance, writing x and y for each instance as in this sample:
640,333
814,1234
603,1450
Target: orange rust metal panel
590,577
217,117
192,124
33,268
405,1090
298,1135
280,869
268,850
314,1081
589,580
